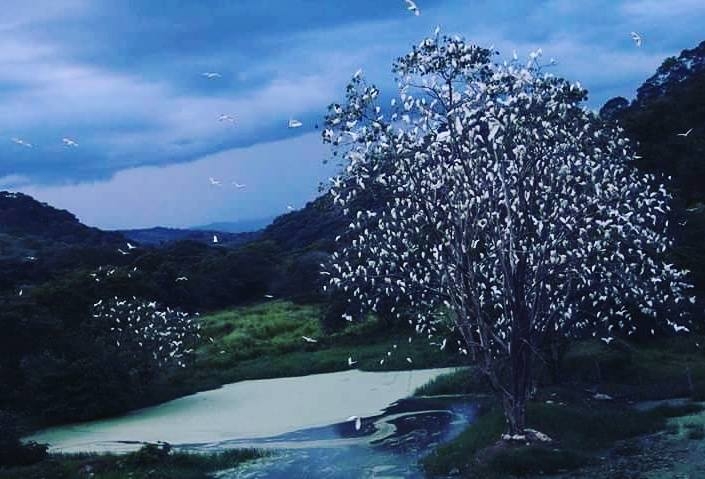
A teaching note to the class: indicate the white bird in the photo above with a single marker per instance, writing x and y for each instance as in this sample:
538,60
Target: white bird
437,31
95,305
225,117
268,296
215,238
31,258
20,293
21,142
443,344
309,340
239,185
358,73
289,207
213,181
122,252
358,422
69,142
181,278
607,340
678,328
636,37
351,362
408,360
684,134
211,75
411,6
131,246
294,123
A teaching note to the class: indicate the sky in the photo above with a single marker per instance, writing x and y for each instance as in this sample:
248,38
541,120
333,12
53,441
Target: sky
123,79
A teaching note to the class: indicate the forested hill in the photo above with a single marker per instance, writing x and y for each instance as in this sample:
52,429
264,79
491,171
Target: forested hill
23,216
667,119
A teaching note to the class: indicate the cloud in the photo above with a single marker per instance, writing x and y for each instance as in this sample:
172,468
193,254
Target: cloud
275,174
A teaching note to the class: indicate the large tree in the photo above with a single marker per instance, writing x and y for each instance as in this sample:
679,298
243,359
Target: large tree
508,212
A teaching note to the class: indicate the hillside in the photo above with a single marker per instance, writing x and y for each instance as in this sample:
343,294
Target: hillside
159,236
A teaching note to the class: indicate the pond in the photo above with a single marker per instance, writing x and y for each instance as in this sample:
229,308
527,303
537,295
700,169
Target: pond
304,419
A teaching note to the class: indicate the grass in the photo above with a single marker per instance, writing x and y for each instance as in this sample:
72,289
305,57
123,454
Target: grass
152,461
265,341
579,431
460,382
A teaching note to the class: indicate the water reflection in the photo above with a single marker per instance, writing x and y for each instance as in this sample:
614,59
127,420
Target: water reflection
388,445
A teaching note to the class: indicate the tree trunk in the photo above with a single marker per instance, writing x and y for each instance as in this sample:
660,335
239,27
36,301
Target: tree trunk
515,414
520,376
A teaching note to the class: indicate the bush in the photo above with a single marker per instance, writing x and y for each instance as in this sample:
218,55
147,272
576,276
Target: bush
12,451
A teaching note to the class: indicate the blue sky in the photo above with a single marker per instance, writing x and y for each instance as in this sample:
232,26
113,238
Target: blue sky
123,79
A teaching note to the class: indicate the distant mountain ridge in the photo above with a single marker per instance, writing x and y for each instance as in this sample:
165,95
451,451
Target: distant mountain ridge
243,226
160,236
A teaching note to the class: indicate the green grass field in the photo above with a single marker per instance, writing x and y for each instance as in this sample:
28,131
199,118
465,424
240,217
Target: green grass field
265,341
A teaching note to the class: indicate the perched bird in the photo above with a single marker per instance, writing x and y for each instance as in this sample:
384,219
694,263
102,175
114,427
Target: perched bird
181,278
358,422
309,340
69,142
408,360
225,117
411,6
211,75
636,37
684,134
215,238
20,293
358,73
21,142
351,362
294,123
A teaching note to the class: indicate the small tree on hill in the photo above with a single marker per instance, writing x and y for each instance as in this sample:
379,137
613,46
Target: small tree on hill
510,213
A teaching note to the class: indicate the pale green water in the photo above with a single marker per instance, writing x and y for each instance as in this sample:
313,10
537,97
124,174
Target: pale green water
244,410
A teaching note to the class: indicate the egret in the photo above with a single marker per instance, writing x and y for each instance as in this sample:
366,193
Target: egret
69,142
238,185
358,422
636,37
225,117
411,6
131,246
21,142
213,181
181,278
309,340
351,362
211,75
215,238
294,123
684,134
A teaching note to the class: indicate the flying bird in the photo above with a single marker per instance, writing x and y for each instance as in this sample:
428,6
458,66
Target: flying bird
69,142
122,252
411,6
289,207
213,181
309,340
238,185
607,340
211,75
636,37
20,293
294,123
181,278
225,117
684,134
268,296
351,362
131,246
21,142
